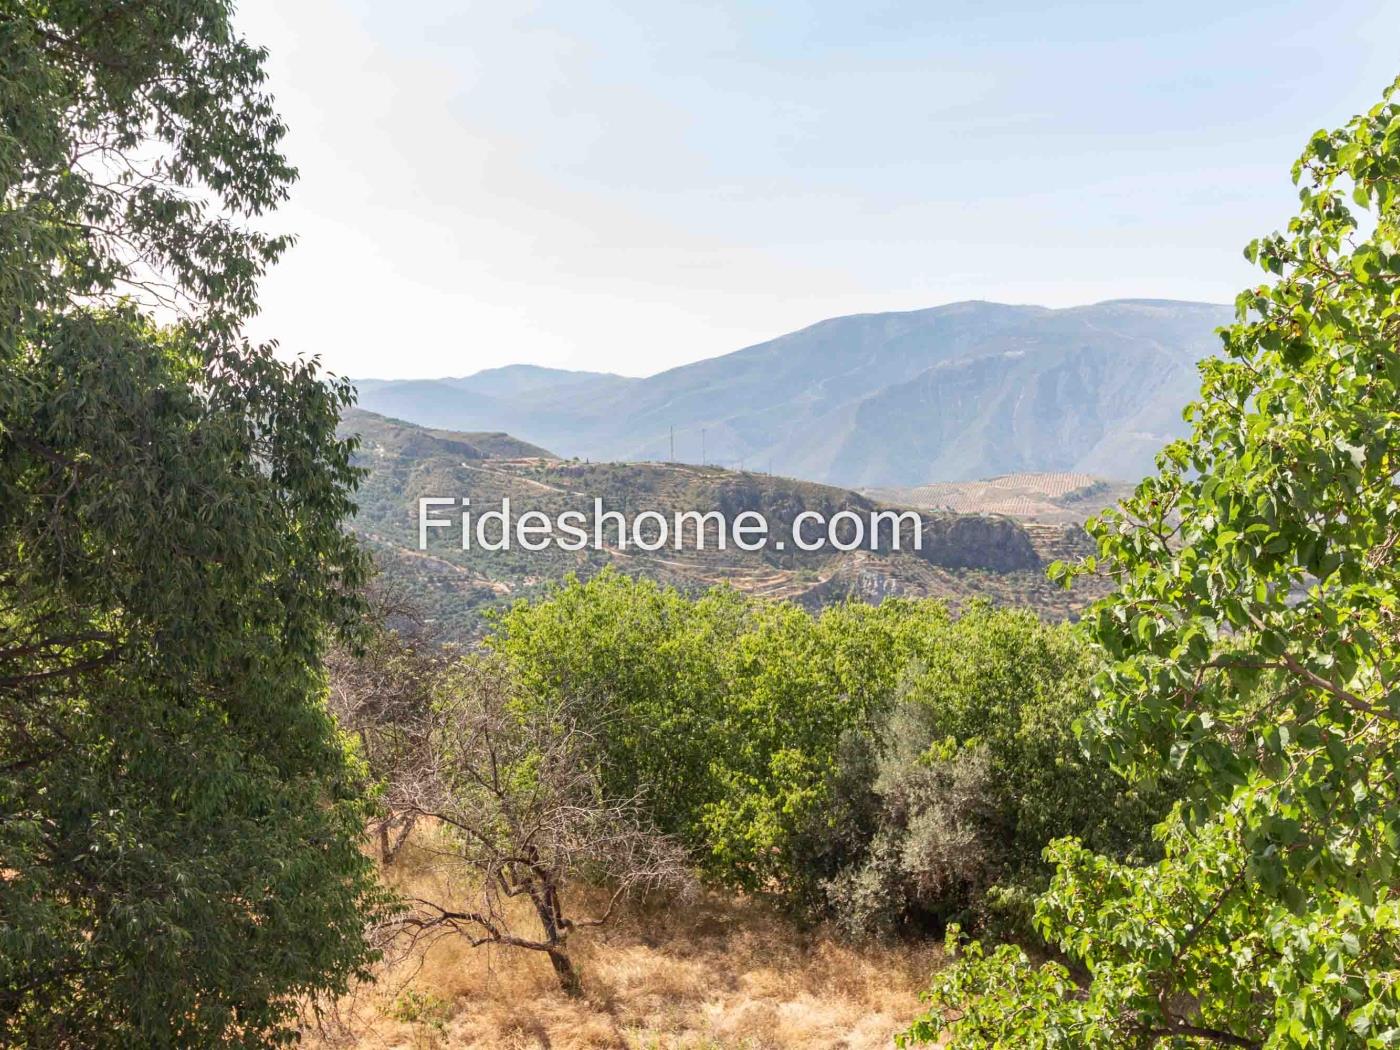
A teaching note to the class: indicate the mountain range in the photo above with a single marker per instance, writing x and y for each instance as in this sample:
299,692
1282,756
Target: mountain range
952,393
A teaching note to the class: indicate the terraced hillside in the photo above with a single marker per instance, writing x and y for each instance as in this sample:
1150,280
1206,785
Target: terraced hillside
962,557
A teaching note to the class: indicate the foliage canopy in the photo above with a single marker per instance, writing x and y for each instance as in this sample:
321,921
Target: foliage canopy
1251,648
179,820
885,765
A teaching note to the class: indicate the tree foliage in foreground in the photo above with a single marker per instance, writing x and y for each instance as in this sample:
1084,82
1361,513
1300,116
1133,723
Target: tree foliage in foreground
179,821
1252,643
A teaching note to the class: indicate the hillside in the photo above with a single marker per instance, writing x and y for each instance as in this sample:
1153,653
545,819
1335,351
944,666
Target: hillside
963,556
498,396
953,393
1060,498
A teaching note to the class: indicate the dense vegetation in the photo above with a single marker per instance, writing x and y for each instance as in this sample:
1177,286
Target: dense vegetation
1250,650
891,768
886,765
179,823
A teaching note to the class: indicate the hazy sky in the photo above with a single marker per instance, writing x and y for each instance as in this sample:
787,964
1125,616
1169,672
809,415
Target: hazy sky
627,186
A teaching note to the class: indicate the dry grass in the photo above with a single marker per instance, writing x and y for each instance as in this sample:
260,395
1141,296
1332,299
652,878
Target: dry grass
714,974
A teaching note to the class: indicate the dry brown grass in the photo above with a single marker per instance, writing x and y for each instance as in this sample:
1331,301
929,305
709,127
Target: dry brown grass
713,974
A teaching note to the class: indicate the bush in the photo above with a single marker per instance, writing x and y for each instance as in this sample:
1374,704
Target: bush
975,770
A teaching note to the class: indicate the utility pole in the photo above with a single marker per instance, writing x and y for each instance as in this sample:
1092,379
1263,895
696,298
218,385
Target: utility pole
673,444
702,446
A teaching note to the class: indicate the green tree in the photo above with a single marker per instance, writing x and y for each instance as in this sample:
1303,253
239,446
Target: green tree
648,662
725,713
975,770
179,818
798,684
1252,652
886,764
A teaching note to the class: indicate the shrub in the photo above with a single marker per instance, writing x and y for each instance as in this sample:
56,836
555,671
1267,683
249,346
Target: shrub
973,772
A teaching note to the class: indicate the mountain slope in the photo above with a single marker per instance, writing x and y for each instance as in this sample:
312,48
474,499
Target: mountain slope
383,436
523,381
962,555
950,393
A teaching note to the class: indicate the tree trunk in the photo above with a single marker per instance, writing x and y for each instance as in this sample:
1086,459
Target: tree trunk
389,848
545,899
564,970
406,828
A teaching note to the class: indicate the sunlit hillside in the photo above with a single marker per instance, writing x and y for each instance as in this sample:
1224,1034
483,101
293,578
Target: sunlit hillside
1060,498
964,556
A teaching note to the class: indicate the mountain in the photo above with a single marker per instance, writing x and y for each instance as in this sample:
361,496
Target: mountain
493,399
953,393
963,556
522,381
399,440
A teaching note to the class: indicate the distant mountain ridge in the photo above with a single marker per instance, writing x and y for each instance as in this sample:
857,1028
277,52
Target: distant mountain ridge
951,393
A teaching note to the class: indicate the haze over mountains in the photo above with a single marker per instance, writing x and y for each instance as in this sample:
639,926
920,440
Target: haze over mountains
956,392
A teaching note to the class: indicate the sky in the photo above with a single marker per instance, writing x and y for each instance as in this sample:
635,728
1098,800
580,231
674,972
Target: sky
630,186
